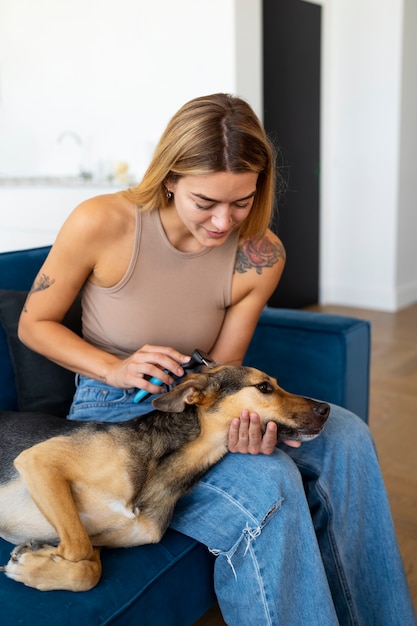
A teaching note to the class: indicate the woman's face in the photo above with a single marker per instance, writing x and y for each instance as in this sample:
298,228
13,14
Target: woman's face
211,206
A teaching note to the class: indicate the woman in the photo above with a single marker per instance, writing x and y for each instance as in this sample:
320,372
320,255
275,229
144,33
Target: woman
186,260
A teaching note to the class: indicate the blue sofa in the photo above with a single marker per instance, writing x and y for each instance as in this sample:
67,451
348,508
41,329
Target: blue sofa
169,584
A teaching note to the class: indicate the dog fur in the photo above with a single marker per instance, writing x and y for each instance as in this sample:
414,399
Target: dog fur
67,488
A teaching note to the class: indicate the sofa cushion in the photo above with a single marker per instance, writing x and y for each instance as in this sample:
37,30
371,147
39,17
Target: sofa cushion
40,384
167,584
8,398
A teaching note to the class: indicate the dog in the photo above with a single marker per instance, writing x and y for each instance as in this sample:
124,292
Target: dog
68,488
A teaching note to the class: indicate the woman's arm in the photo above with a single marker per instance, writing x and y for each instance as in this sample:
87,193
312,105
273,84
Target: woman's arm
94,244
258,270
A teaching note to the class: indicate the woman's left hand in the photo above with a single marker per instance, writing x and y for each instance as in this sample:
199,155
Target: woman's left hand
245,435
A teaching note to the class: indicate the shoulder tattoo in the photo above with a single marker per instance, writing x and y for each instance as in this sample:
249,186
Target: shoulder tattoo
258,253
41,283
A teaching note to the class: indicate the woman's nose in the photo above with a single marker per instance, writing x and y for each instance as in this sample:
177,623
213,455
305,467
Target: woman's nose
222,219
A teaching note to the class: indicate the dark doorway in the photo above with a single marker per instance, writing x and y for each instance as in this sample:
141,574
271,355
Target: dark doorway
291,51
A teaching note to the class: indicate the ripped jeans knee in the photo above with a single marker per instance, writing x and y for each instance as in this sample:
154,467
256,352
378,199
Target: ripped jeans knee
248,536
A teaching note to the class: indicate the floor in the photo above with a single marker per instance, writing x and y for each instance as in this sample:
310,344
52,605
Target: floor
392,419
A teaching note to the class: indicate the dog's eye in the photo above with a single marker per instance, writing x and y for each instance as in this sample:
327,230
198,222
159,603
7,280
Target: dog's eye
265,387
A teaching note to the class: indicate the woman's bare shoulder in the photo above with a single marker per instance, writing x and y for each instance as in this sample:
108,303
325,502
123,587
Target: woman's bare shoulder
96,240
101,215
258,268
259,253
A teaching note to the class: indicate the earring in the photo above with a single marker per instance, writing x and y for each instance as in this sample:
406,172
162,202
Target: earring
169,194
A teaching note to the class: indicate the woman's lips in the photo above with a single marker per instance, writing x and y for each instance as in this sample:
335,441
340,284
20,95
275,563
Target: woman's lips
213,234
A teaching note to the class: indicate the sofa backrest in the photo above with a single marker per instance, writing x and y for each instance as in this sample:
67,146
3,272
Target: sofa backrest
17,272
19,268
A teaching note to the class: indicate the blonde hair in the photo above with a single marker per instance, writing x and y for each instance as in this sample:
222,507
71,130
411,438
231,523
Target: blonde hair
215,133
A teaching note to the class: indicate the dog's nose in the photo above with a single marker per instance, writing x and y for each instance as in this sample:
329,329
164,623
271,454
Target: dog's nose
322,409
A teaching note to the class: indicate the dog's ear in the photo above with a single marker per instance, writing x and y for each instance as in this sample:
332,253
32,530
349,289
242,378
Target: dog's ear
190,391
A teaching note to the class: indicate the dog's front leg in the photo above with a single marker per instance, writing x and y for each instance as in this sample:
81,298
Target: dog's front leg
48,472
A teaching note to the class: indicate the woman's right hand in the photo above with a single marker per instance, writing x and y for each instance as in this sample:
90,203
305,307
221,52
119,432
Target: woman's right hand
147,362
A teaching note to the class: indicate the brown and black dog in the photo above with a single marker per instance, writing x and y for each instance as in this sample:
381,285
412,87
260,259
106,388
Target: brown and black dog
67,488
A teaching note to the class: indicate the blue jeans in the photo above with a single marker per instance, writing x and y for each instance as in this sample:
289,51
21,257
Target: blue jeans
302,538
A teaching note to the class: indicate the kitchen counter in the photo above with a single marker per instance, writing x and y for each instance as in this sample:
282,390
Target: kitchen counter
32,210
60,181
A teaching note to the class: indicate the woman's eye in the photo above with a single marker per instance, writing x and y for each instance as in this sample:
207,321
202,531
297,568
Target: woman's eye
202,207
242,206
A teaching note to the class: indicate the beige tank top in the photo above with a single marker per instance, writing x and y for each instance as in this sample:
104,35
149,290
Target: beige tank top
166,297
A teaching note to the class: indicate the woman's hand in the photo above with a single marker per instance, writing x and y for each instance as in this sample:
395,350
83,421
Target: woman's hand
245,435
148,362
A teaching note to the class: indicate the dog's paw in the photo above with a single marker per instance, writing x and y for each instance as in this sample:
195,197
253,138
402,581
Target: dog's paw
28,546
37,565
21,566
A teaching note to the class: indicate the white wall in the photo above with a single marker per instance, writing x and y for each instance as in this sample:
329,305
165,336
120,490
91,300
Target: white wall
406,270
248,52
369,168
113,73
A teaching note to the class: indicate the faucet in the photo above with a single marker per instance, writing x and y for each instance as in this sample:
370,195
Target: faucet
82,173
70,133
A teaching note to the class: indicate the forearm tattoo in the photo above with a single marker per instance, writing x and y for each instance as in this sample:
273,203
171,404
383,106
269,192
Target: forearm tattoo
258,253
41,283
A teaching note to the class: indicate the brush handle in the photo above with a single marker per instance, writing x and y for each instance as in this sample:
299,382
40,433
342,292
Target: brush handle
142,393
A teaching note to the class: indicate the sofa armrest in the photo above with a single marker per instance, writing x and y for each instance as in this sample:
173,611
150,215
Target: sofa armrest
315,355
